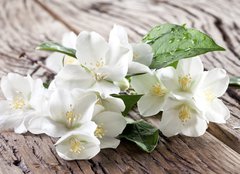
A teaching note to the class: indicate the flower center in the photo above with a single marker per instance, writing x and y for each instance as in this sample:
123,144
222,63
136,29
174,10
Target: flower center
158,90
99,76
184,113
136,56
99,132
185,82
76,145
18,102
209,96
100,63
71,117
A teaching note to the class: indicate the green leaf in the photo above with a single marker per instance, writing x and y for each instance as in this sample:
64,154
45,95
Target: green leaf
235,81
142,134
129,101
171,43
55,47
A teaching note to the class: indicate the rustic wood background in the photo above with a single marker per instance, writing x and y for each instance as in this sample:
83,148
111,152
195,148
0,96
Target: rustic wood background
26,23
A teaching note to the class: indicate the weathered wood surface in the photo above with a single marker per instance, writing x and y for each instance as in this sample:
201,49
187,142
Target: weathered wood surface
24,24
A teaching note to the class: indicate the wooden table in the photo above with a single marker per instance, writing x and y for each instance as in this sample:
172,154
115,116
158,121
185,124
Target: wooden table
26,23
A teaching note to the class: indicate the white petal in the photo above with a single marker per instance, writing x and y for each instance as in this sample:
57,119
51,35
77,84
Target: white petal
113,123
69,40
113,104
90,47
20,129
216,81
150,105
109,142
5,106
142,53
168,77
217,112
55,61
118,34
136,68
85,106
116,62
61,102
48,126
170,125
194,127
192,66
73,76
142,84
105,88
11,120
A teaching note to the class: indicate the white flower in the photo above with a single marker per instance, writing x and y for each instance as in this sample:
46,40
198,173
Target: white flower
67,112
182,116
153,90
101,64
190,81
140,57
213,85
19,108
184,80
79,144
109,126
56,60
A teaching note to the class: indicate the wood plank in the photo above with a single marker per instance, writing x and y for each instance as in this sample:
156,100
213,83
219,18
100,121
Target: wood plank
35,154
218,18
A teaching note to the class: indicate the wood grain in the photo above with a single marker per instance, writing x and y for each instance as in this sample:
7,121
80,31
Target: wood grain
24,24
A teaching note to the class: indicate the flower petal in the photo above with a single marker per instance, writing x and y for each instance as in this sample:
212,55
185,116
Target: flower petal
136,68
192,66
150,105
40,125
118,35
217,112
109,142
113,123
73,76
84,106
90,47
61,102
142,84
113,104
55,61
168,77
216,81
116,62
105,88
142,53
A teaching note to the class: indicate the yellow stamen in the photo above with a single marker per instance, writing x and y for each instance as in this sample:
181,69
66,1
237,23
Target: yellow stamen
185,82
184,113
136,56
18,102
99,132
99,76
71,117
158,90
76,145
100,63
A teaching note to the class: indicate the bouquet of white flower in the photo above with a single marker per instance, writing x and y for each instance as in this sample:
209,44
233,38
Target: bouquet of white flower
97,83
